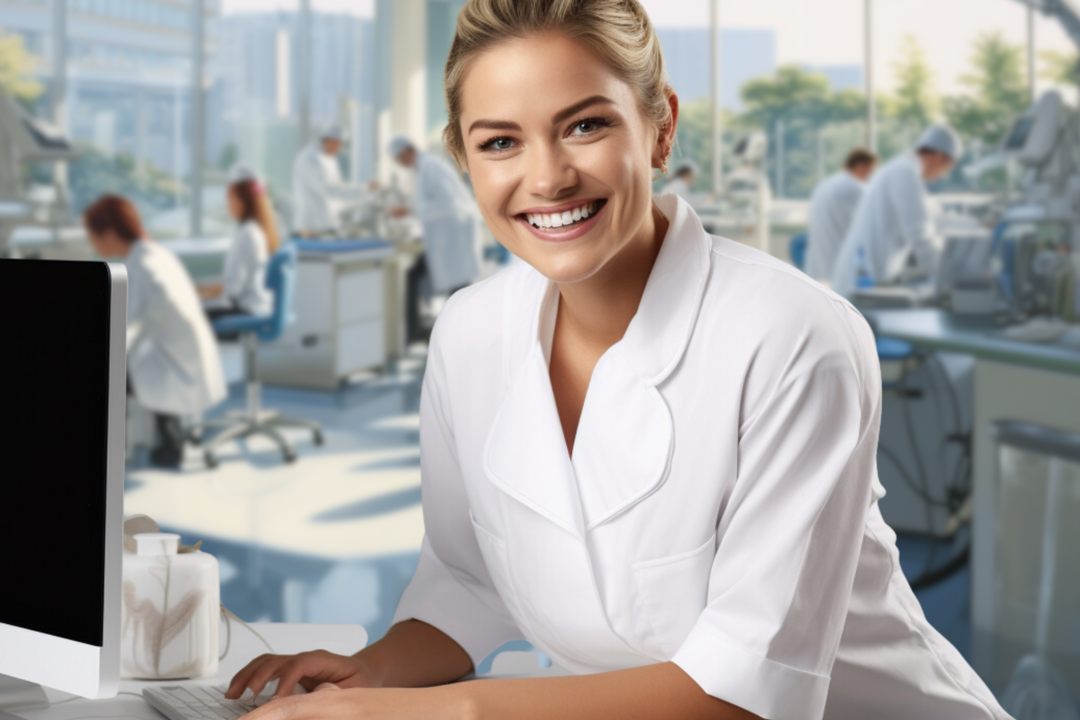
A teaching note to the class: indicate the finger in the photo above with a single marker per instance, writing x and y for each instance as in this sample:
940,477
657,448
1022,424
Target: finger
327,687
269,671
241,679
306,665
294,708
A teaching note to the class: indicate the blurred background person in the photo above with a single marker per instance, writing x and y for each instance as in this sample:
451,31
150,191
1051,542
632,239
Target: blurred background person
832,206
682,180
319,193
447,211
892,232
173,363
243,289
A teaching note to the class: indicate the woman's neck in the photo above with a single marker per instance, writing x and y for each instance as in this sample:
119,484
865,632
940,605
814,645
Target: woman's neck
598,310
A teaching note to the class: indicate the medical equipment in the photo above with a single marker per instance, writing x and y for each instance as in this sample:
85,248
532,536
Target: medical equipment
1038,479
23,140
61,517
193,702
746,196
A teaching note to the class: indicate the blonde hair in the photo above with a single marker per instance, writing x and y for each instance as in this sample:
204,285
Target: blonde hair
618,31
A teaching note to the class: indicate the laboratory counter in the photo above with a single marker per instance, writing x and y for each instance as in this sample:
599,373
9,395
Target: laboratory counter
1033,385
979,336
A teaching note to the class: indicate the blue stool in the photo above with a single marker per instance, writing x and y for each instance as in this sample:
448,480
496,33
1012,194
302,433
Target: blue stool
797,250
281,280
893,350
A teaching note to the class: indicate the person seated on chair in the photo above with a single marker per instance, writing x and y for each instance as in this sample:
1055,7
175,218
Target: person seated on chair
173,364
243,289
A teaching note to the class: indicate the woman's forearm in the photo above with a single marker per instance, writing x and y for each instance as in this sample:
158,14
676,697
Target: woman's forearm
415,654
654,692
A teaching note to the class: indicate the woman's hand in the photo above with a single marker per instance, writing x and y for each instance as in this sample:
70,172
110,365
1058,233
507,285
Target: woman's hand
310,669
330,702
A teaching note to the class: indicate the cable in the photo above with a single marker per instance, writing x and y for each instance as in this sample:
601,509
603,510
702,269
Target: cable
232,616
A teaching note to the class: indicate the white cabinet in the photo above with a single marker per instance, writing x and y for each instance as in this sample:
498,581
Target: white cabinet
339,325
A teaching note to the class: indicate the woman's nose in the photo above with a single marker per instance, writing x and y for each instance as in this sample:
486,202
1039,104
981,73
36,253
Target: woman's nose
550,173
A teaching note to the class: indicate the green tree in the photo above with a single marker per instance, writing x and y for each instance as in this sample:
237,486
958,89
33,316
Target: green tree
803,100
16,69
997,90
914,102
1060,68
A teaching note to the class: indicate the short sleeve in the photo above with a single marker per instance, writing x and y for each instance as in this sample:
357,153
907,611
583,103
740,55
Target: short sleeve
791,535
451,589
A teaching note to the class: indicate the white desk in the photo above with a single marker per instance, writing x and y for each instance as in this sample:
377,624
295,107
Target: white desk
285,638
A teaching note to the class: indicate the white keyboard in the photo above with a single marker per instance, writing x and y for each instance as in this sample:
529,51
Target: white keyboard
190,702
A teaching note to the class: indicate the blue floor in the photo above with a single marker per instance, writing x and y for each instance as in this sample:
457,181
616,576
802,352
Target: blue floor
373,440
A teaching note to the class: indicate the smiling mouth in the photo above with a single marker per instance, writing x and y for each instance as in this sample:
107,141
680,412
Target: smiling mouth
563,220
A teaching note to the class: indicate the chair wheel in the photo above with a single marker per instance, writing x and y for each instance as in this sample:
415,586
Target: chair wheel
318,437
211,461
290,458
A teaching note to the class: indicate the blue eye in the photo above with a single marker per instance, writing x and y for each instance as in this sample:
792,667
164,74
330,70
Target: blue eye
499,144
589,126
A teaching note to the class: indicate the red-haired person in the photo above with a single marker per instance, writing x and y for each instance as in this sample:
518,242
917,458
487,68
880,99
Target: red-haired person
173,364
243,289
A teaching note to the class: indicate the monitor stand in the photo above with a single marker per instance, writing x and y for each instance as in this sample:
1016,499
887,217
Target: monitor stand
20,695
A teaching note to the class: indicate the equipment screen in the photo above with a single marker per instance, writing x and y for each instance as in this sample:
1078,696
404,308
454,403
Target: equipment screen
54,390
1018,135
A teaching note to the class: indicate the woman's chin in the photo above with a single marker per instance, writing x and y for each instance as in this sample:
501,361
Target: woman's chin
566,268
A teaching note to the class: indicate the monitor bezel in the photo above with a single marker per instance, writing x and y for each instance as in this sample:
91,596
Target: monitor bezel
66,665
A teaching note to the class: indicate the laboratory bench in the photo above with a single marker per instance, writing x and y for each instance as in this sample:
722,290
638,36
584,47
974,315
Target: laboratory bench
1015,381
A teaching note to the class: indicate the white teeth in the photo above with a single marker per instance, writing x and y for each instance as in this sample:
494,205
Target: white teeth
554,220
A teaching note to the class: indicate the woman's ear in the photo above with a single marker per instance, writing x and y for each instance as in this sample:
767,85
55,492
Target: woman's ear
665,139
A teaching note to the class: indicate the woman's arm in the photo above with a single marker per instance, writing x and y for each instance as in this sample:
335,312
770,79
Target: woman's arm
654,692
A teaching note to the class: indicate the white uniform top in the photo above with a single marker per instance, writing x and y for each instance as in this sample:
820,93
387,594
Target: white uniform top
319,193
448,213
891,221
173,357
245,270
832,207
719,510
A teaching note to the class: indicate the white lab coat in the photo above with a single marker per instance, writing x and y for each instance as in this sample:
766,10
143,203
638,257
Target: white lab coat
173,358
245,270
832,206
450,221
719,510
319,193
891,221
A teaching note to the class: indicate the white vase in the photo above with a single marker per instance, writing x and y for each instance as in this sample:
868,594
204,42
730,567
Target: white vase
171,611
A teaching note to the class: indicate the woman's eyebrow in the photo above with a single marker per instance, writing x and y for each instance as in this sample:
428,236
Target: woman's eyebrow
494,125
579,106
558,117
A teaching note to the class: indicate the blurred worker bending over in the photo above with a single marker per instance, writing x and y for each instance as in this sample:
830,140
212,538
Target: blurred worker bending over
319,193
891,235
173,364
832,206
448,214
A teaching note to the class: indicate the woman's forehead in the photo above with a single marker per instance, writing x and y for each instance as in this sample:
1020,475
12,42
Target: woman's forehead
532,79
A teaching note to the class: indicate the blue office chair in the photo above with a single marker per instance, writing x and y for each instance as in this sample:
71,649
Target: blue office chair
281,280
797,250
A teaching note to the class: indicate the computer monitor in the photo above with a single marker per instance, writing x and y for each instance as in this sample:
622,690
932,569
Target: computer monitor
62,397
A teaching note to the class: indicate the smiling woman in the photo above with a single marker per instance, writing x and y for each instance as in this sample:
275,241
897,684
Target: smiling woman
646,450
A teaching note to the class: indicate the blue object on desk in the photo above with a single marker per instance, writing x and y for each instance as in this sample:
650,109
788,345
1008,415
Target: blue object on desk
893,349
797,250
339,246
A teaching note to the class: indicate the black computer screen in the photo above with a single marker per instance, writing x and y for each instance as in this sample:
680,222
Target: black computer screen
54,388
